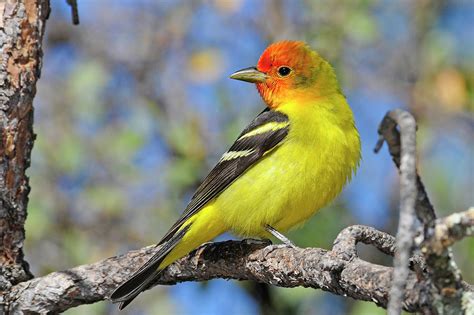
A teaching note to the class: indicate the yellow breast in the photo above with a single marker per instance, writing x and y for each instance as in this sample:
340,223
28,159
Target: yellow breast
300,176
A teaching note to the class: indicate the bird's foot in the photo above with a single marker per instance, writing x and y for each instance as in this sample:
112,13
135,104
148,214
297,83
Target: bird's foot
280,236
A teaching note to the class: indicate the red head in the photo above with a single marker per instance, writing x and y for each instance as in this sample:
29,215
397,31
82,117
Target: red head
287,70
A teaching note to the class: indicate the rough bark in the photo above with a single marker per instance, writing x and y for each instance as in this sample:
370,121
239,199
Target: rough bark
21,31
449,230
339,271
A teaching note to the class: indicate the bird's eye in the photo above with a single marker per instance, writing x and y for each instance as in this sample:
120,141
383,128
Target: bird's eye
284,71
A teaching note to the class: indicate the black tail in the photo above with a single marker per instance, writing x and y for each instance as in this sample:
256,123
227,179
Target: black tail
139,282
144,276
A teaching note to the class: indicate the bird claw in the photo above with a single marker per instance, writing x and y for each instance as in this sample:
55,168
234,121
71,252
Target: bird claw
280,236
290,245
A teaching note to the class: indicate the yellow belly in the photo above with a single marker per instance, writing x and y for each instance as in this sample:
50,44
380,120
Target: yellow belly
288,185
277,192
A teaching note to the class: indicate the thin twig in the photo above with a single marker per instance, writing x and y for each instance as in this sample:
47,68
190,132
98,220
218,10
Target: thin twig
74,11
408,194
389,133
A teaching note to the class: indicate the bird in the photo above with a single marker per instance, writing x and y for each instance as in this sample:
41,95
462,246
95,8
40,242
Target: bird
290,161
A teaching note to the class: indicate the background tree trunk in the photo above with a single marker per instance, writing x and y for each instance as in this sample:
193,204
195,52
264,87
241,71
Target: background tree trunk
22,26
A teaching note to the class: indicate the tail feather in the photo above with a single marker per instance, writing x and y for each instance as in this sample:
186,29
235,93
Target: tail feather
142,278
129,290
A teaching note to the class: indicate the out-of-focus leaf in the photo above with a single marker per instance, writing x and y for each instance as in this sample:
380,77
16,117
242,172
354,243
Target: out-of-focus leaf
321,230
96,308
205,66
464,256
361,26
185,139
76,244
69,154
38,222
228,6
367,308
182,172
86,84
107,199
451,88
438,47
295,295
120,144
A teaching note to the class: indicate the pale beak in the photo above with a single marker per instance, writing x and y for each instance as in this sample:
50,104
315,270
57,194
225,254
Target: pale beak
252,75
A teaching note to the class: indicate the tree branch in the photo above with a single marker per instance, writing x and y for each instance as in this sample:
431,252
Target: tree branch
339,271
332,271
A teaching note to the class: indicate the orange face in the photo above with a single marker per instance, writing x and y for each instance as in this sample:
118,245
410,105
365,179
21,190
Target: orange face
289,66
289,71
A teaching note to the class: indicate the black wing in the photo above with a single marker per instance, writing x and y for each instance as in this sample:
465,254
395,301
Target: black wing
249,147
263,134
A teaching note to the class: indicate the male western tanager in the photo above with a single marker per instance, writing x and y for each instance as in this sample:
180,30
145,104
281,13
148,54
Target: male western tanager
290,161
